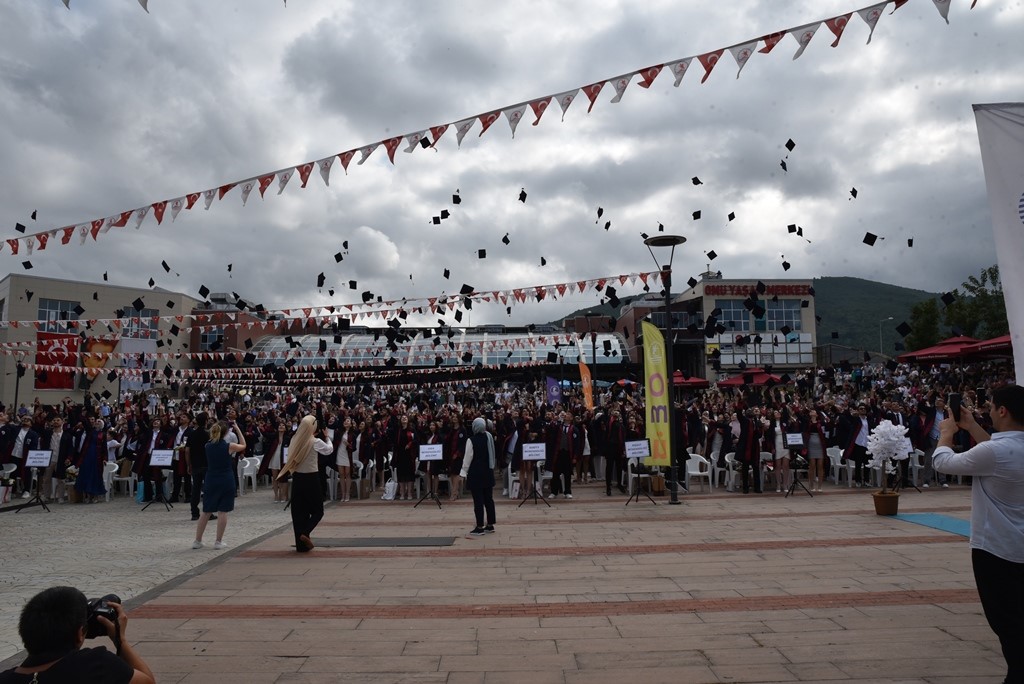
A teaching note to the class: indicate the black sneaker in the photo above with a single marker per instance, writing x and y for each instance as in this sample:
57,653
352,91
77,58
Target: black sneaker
478,532
489,529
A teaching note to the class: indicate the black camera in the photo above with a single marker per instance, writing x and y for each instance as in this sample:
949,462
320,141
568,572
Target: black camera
97,608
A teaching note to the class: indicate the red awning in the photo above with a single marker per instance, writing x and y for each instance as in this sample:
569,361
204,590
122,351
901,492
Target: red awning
751,376
947,350
689,383
996,346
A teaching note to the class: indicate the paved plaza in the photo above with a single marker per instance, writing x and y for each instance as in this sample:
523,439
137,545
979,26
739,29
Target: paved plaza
724,588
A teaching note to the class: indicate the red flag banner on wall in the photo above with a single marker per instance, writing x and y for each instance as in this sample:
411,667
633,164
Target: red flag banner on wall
56,349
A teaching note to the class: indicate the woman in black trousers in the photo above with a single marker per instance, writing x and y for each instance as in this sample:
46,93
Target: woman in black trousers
307,497
478,469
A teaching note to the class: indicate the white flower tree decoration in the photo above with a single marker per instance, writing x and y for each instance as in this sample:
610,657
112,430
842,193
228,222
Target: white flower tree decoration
888,443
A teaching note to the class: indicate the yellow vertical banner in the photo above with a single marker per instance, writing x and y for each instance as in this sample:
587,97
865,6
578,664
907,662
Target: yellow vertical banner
588,387
656,393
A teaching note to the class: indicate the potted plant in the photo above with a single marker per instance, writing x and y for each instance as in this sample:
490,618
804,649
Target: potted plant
887,443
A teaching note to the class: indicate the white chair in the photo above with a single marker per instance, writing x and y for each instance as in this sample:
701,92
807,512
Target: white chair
249,469
510,479
700,468
719,474
733,471
130,480
836,467
916,466
545,476
109,470
632,474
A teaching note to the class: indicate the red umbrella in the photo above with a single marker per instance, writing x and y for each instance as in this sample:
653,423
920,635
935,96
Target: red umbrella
751,376
689,383
997,346
947,350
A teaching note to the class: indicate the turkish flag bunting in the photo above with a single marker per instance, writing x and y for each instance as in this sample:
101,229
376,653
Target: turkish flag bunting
770,41
158,211
514,116
345,158
592,91
708,61
648,75
436,132
224,189
265,182
391,145
43,238
66,237
191,199
304,171
620,84
121,221
95,229
14,246
539,107
837,25
486,120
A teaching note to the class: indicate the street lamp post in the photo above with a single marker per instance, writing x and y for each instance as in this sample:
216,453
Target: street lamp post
666,280
880,349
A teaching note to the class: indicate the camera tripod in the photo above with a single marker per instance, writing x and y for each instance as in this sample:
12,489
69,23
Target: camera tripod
798,463
430,494
534,494
36,499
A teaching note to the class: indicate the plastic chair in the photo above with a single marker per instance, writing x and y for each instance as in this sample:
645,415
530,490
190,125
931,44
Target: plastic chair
767,464
249,470
632,474
916,466
719,474
109,470
836,467
131,480
733,472
699,467
510,477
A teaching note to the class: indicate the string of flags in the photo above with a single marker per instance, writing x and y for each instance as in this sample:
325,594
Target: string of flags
429,136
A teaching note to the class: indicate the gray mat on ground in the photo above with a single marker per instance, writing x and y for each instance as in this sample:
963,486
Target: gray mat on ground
385,541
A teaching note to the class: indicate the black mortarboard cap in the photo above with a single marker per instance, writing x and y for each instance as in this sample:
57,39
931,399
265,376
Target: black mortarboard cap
804,303
458,315
711,255
696,181
352,284
869,239
367,296
891,364
105,394
948,298
811,291
170,304
732,216
175,329
853,193
112,376
505,239
552,357
95,296
445,214
447,274
320,279
146,377
790,144
204,291
152,282
903,329
758,311
522,195
696,215
138,304
467,357
784,166
104,276
466,289
289,363
456,199
19,227
543,261
481,253
692,282
323,345
791,228
27,265
436,220
338,257
28,295
785,267
785,330
910,242
78,309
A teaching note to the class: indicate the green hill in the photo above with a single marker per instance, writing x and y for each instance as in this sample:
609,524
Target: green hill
853,307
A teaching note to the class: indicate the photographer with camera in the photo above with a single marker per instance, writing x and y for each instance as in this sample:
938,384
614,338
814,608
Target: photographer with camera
54,625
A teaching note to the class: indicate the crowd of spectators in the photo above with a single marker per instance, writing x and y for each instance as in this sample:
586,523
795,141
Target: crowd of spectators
377,430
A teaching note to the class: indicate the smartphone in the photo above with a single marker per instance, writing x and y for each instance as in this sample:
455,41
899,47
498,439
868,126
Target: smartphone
954,405
982,396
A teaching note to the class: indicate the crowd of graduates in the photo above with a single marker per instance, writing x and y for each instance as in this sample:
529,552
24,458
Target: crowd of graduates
377,431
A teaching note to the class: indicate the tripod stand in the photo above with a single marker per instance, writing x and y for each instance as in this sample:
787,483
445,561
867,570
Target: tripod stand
36,499
534,494
901,476
798,463
430,486
158,493
636,495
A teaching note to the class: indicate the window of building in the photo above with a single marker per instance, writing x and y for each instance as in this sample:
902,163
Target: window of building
140,325
53,311
209,336
784,312
734,317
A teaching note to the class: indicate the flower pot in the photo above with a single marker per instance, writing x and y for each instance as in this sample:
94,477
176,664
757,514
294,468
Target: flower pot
887,503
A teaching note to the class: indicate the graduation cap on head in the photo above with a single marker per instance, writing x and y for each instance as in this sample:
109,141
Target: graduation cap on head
948,298
138,304
869,239
522,195
204,291
27,265
903,329
481,254
696,215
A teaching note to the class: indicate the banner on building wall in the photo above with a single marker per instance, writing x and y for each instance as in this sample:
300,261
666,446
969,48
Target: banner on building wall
588,387
1001,135
56,349
656,392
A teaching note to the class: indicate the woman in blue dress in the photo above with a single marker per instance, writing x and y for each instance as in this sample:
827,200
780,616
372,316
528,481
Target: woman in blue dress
89,483
219,486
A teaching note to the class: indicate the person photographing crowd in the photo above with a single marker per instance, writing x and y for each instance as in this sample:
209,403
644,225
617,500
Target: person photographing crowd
996,464
54,625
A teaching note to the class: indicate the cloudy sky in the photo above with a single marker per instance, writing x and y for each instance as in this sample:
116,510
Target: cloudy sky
105,108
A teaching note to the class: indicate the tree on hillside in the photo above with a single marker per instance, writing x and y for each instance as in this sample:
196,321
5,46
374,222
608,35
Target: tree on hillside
979,310
924,321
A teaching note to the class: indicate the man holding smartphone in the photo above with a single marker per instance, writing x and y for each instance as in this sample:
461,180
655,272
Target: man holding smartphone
996,465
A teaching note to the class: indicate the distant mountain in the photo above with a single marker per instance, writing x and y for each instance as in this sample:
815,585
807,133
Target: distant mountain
853,307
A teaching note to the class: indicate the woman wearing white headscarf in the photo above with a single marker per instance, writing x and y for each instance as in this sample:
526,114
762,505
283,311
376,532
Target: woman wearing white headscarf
478,469
307,496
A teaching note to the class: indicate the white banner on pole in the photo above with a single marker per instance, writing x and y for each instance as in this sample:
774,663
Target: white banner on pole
1001,135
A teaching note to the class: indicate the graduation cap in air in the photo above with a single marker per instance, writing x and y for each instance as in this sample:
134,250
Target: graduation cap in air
505,239
870,239
456,199
696,215
481,254
175,330
78,310
104,276
447,274
95,296
692,282
338,257
112,376
543,261
146,377
323,345
466,289
320,279
165,266
791,228
436,220
903,329
600,213
790,144
731,216
19,227
785,264
785,330
835,335
367,296
522,195
445,214
607,225
853,193
782,163
204,291
948,298
910,242
27,265
152,282
711,255
696,181
458,315
138,304
758,311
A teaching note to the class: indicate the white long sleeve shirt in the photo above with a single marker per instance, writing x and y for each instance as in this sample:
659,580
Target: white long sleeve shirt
997,492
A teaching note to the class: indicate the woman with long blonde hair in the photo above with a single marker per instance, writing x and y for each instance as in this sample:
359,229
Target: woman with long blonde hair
307,496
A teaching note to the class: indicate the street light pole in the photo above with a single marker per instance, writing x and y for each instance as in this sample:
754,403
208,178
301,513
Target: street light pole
880,349
666,280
